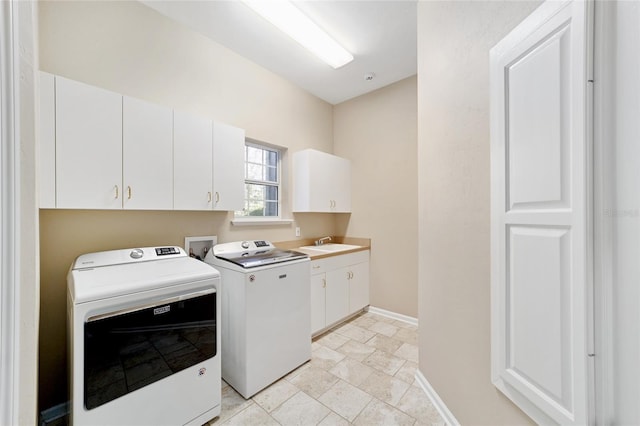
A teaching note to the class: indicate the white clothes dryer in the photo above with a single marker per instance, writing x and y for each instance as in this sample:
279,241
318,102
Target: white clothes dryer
144,338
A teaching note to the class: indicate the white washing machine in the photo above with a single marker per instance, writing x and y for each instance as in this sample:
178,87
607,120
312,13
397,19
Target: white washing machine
266,317
144,338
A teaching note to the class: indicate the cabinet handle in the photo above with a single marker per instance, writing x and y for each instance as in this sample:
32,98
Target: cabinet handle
209,197
117,192
217,197
128,192
324,283
316,266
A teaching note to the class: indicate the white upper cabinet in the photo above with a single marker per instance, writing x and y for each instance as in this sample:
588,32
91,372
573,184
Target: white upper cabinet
103,150
321,182
228,167
47,141
193,162
88,146
208,164
539,247
147,141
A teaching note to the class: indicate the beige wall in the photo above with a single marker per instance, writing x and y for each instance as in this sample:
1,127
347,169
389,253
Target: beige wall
131,49
454,39
378,132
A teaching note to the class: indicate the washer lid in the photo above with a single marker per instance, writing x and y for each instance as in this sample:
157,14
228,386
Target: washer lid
254,253
267,258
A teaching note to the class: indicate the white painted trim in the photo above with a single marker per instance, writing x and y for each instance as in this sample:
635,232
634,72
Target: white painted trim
394,315
437,402
9,189
261,222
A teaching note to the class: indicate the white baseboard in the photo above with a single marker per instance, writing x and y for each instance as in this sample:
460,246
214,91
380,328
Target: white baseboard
395,316
443,410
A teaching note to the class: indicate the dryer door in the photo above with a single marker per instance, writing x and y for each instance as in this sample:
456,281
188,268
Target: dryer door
128,349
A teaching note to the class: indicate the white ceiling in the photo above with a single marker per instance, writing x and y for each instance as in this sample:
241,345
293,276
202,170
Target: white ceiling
381,35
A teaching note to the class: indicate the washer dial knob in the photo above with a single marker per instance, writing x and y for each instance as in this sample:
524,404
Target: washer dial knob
245,245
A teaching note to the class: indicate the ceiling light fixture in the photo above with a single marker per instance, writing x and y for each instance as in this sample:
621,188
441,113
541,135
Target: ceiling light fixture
290,20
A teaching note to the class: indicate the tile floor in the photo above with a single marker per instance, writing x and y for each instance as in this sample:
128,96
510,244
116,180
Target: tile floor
362,372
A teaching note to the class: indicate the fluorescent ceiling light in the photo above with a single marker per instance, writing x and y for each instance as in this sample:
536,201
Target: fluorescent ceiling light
290,20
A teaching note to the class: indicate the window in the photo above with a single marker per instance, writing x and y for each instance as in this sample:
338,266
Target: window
261,181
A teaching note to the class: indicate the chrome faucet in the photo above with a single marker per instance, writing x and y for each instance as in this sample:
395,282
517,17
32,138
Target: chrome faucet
322,240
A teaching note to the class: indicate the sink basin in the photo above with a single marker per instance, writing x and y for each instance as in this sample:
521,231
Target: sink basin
331,248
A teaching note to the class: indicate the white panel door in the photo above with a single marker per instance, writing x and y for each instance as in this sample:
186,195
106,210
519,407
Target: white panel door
147,143
193,162
88,146
539,157
228,167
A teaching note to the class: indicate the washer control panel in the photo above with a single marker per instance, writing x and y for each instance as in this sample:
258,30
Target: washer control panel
242,248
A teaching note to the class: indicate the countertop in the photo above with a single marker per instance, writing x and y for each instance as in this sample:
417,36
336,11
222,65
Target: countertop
363,243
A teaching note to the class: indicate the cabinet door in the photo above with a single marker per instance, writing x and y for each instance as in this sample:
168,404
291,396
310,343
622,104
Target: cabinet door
321,182
47,136
540,161
193,162
88,146
228,167
337,295
358,287
147,143
318,304
340,185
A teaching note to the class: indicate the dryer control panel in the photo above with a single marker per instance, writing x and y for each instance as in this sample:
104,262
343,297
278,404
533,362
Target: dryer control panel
133,255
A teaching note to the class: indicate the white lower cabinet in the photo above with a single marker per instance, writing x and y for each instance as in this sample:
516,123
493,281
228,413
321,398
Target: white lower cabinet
339,288
337,295
318,302
358,286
